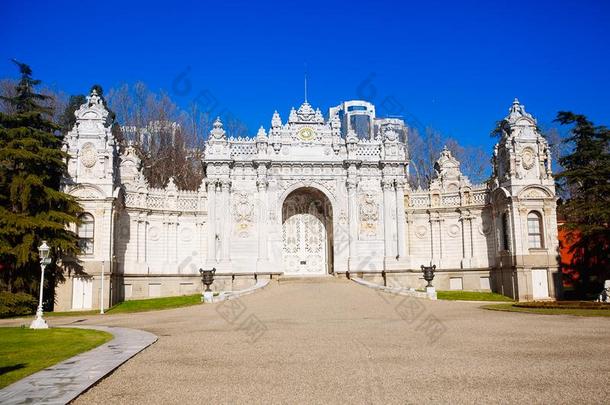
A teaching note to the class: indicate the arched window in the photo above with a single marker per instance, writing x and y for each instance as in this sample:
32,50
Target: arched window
505,228
85,233
534,230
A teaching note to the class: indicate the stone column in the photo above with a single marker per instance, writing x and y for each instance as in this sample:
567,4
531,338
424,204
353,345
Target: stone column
211,257
409,231
436,244
226,221
261,219
170,239
466,219
145,250
135,230
549,226
352,212
432,255
440,240
175,250
520,220
388,224
166,239
141,238
200,226
400,220
473,260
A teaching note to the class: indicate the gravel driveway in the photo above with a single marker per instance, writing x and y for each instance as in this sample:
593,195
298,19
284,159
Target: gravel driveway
337,342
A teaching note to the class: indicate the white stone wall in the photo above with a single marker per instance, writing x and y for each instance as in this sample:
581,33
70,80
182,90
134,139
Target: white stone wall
154,241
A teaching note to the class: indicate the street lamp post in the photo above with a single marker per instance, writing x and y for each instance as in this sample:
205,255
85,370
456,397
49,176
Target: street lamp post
45,259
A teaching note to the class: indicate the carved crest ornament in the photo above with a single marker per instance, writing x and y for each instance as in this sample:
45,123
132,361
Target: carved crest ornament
243,214
369,215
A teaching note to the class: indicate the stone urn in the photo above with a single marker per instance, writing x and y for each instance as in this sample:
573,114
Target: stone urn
428,274
207,278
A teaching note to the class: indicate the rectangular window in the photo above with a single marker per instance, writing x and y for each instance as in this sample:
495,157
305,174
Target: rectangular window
535,242
85,233
505,229
534,230
86,246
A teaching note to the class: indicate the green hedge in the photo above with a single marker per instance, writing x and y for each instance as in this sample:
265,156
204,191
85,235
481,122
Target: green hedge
16,304
564,305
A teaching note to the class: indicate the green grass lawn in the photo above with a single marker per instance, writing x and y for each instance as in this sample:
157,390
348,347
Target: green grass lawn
25,351
72,313
470,296
548,311
153,304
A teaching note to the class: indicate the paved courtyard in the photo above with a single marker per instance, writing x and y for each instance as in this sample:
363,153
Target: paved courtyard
338,342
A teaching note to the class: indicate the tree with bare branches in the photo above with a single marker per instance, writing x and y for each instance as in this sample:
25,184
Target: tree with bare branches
170,141
425,150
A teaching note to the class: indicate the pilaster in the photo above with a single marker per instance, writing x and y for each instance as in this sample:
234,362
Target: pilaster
262,185
402,255
212,223
389,223
352,209
226,222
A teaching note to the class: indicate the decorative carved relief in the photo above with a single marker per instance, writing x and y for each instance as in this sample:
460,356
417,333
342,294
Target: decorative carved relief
533,194
420,231
328,185
153,233
342,218
369,215
272,217
453,230
243,214
86,193
448,176
88,155
527,158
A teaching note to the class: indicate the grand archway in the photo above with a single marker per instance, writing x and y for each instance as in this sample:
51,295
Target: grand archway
307,233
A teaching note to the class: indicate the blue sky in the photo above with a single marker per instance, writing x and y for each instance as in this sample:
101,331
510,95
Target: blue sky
454,67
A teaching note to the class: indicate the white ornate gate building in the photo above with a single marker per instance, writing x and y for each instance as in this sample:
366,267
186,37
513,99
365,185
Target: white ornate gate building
312,196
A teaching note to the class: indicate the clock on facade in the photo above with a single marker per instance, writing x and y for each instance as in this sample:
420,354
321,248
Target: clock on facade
306,134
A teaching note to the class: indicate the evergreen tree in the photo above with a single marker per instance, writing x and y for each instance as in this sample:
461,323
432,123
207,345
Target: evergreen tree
32,208
586,178
67,118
